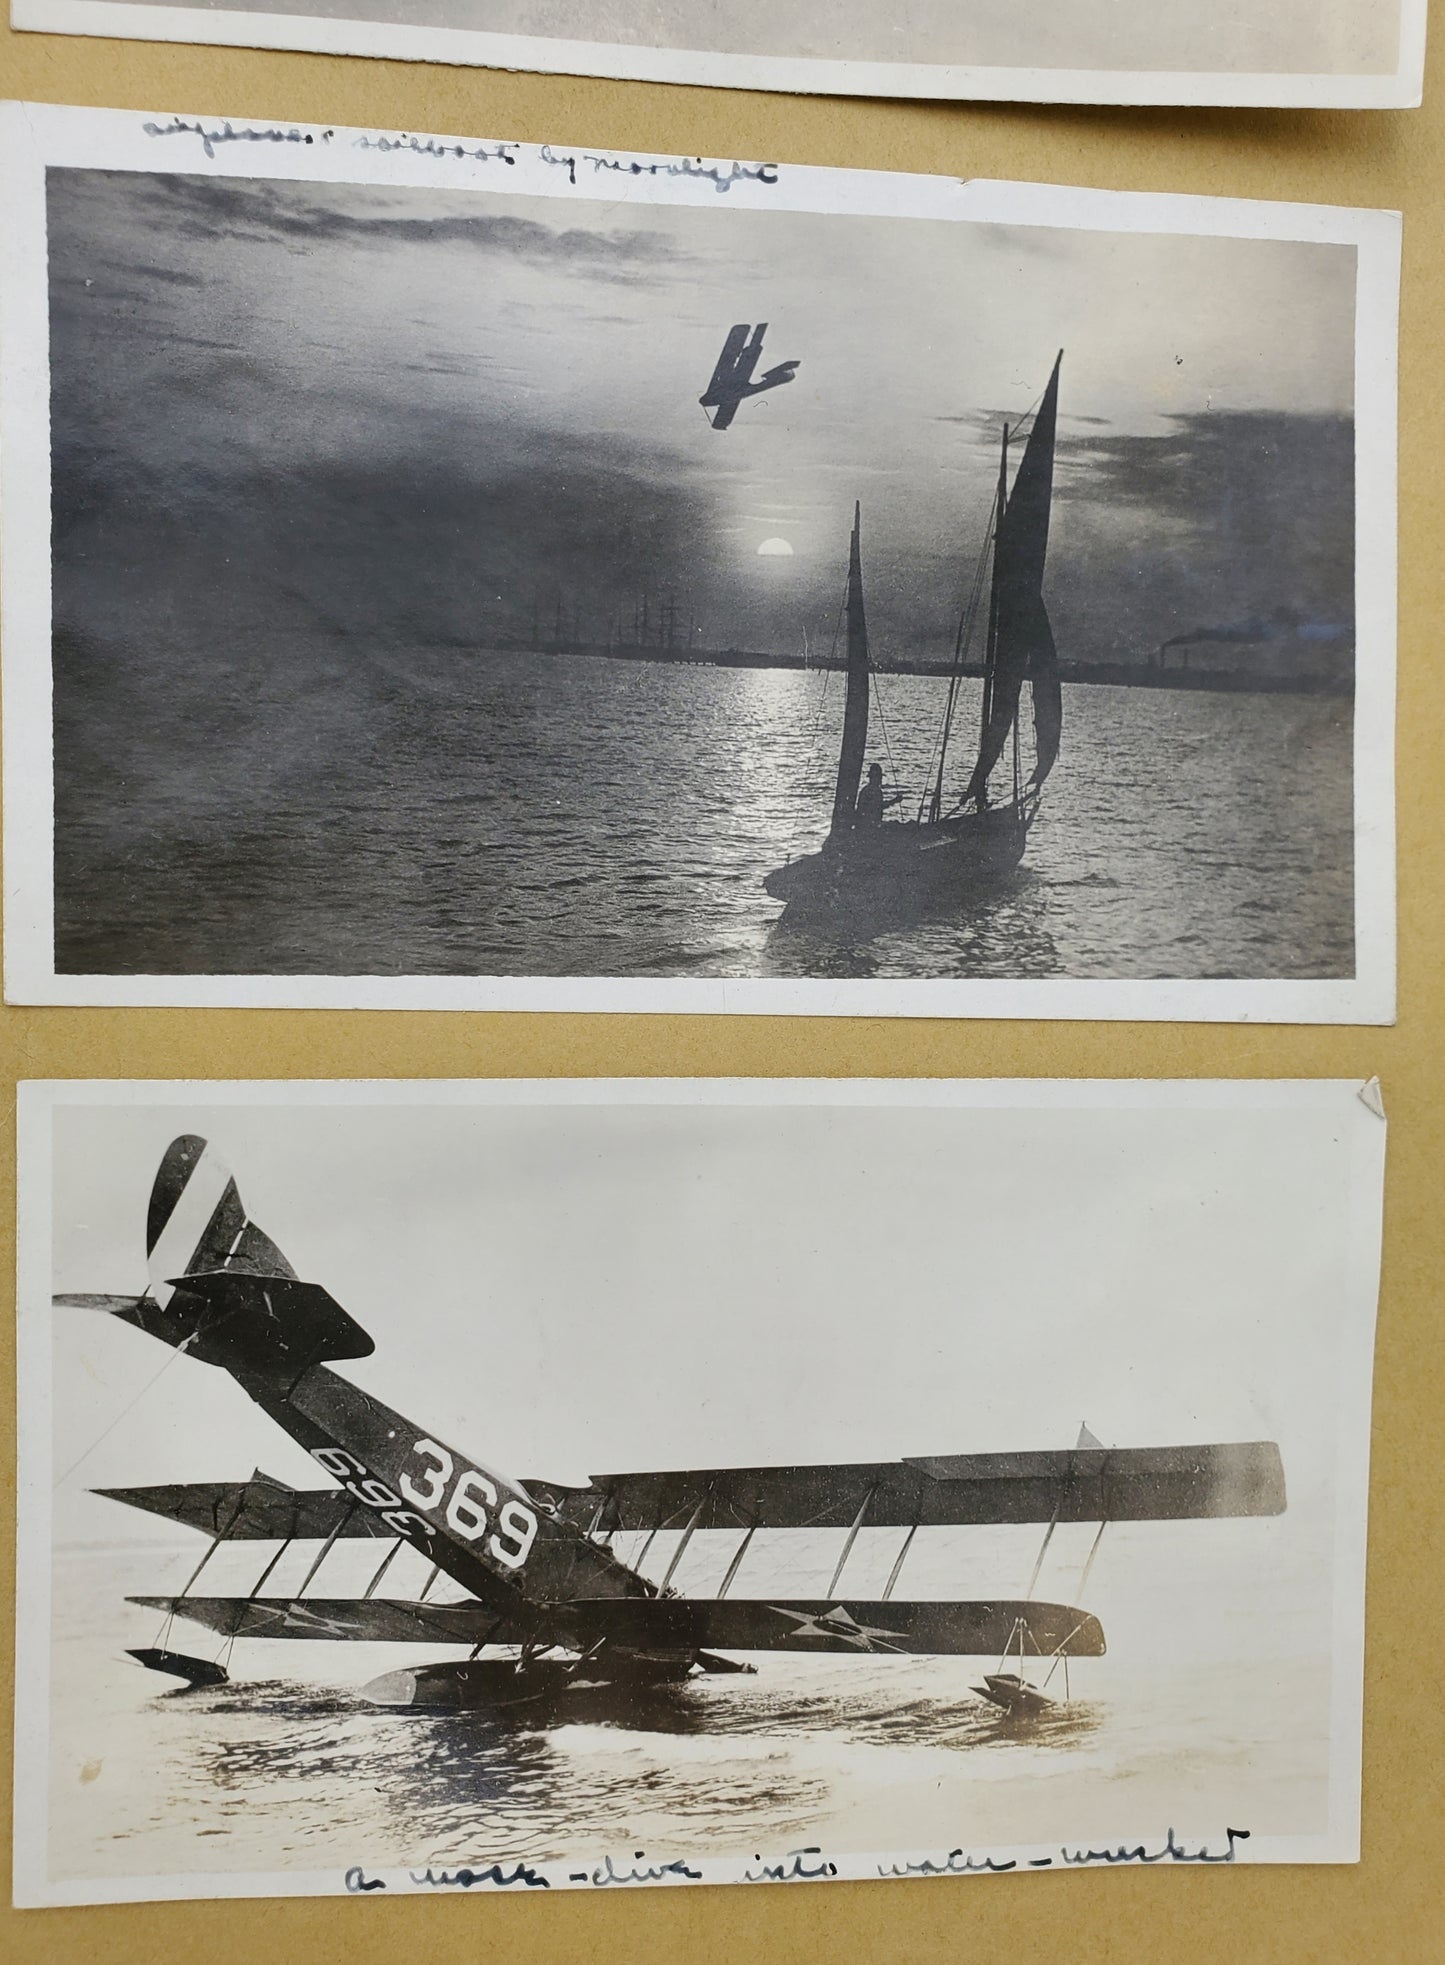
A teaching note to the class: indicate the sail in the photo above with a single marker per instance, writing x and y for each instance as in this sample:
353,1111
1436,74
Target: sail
1048,697
855,709
1023,642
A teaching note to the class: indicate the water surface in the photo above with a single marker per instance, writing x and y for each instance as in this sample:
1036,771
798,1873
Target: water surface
325,811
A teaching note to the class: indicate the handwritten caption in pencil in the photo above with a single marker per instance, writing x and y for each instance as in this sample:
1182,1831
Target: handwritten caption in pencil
806,1865
215,136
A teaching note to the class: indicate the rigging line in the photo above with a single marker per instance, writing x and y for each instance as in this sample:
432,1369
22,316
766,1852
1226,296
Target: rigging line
1061,1651
968,628
130,1405
1018,1624
883,726
963,641
163,1636
801,808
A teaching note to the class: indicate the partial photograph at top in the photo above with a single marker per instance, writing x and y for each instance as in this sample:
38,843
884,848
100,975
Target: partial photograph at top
1352,54
476,597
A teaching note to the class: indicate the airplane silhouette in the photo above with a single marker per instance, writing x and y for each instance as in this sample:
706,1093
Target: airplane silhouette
732,379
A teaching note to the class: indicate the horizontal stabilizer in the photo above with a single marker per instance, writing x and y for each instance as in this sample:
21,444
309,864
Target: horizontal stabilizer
1078,1484
669,1624
258,1510
93,1300
243,1322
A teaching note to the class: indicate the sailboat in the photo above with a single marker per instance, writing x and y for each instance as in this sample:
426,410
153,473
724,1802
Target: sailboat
948,852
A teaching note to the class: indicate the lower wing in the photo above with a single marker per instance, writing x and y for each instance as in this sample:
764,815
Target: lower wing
670,1624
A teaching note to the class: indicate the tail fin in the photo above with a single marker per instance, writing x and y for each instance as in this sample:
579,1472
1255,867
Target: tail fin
220,1288
196,1222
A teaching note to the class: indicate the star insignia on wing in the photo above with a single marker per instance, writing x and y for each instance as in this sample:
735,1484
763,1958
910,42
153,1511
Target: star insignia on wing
295,1618
838,1623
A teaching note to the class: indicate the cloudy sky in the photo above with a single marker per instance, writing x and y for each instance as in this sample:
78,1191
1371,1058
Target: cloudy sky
420,415
572,1289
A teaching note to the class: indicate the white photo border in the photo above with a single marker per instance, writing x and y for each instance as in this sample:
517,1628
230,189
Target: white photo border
34,137
239,27
1353,1108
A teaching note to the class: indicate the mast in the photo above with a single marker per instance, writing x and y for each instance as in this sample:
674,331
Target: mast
962,642
990,651
855,709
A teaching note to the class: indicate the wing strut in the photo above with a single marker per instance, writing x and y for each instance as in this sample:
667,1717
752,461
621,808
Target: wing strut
687,1535
737,1562
387,1560
1043,1550
898,1562
159,1657
265,1576
852,1538
1093,1551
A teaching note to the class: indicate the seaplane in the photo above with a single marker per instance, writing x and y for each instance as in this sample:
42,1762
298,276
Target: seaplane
544,1604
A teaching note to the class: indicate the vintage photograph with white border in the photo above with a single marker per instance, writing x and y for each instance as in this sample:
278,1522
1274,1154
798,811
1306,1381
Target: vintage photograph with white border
1019,1444
1321,54
422,590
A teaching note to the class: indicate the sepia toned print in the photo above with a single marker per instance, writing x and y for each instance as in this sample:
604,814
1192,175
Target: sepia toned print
1069,1562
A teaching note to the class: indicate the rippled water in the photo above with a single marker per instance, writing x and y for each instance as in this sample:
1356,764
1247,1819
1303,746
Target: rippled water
1210,1709
456,813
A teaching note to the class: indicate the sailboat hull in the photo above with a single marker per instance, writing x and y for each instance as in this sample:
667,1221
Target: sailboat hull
894,864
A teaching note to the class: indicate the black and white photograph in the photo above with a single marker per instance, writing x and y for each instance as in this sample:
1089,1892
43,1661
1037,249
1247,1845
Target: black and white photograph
995,1497
1350,54
493,577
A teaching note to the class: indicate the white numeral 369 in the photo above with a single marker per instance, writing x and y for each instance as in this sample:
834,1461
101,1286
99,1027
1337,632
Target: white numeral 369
467,1505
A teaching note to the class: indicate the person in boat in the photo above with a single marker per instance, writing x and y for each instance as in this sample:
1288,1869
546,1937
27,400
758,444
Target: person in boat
872,800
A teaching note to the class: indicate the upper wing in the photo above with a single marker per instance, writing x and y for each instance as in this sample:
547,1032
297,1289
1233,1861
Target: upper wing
950,1490
724,375
257,1510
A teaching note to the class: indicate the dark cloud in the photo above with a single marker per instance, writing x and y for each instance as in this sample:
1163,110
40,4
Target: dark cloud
262,211
199,481
1225,520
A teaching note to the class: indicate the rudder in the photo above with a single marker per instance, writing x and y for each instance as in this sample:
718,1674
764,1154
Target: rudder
197,1223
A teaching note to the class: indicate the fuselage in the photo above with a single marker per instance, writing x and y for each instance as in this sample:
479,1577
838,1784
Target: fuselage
478,1526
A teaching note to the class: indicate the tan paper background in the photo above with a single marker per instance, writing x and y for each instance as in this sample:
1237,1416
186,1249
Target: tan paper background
1388,1908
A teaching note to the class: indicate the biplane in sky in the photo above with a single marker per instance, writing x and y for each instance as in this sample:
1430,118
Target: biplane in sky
732,379
543,1592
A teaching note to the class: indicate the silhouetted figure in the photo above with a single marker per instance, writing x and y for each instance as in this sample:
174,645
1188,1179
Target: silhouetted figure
869,809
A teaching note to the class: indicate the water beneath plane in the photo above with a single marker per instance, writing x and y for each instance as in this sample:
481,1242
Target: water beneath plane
457,813
1211,1710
